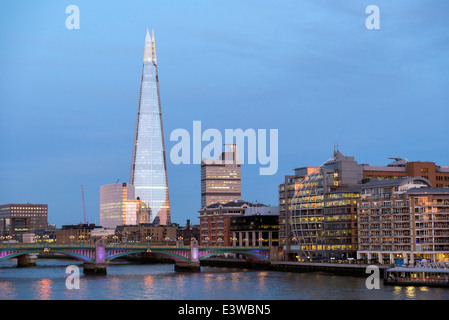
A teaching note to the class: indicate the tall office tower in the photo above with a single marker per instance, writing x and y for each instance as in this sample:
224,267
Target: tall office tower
221,179
118,206
148,166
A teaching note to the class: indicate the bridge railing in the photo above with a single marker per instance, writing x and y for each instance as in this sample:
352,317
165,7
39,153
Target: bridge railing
43,245
124,245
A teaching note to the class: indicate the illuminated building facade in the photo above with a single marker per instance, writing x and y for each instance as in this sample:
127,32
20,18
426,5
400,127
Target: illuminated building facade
221,180
321,217
324,210
19,219
403,220
118,205
286,194
148,167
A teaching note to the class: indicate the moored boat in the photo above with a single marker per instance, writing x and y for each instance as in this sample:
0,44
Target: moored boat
417,276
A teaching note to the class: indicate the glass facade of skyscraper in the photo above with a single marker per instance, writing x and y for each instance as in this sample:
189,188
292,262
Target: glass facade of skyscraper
148,167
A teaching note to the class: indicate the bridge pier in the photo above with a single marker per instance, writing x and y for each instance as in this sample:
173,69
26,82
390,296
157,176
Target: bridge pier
93,268
27,260
193,265
99,267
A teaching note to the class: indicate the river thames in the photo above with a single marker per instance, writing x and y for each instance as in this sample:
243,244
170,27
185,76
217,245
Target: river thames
130,281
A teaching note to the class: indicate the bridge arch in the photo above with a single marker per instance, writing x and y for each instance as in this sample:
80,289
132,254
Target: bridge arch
243,253
168,254
78,256
74,255
16,254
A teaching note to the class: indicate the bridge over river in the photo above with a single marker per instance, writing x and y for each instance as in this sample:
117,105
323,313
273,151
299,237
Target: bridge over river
96,256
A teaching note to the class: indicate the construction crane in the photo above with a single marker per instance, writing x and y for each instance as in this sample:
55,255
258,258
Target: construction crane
84,205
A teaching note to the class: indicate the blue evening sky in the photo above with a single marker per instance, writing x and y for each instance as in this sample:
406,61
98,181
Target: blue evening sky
311,69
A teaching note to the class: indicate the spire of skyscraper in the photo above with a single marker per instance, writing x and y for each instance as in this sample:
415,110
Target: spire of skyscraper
150,48
148,168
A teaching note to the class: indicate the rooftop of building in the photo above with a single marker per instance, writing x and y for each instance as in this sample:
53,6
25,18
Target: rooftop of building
141,225
226,157
80,226
262,211
429,190
400,165
23,204
382,183
236,203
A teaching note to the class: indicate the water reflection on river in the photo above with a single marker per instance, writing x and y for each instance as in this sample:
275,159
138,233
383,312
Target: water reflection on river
160,282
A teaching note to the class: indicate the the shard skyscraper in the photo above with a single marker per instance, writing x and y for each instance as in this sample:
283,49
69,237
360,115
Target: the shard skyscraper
148,166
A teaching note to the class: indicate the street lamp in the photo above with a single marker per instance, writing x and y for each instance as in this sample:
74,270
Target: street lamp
234,241
180,241
207,241
260,241
166,239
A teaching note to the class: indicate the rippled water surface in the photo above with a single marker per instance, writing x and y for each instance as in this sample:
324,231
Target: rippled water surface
160,282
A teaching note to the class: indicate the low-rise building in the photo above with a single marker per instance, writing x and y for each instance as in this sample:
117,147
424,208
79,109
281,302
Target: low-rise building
187,233
400,168
259,226
18,219
147,233
79,233
215,221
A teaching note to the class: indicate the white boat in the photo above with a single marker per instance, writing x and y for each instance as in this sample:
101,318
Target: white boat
421,275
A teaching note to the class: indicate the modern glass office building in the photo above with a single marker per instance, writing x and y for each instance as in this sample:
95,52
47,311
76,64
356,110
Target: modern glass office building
148,166
118,205
324,210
